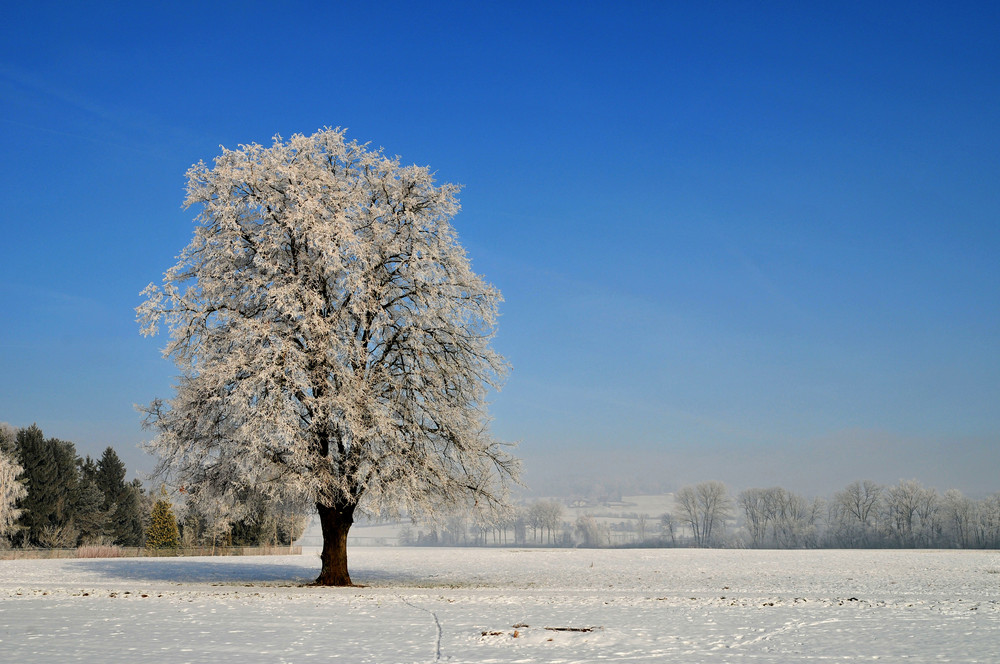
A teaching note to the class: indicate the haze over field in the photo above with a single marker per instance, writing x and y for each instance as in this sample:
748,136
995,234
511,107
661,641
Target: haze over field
749,244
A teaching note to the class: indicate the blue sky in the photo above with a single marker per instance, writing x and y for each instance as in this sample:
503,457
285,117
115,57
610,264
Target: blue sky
740,242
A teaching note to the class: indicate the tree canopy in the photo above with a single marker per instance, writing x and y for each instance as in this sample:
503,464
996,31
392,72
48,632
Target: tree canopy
332,339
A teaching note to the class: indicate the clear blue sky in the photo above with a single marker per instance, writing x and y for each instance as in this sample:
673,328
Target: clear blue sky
756,243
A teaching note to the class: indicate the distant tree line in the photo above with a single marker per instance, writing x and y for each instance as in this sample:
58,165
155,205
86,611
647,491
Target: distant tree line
864,514
539,523
52,498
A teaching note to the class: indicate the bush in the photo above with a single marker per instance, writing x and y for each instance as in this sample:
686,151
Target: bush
99,551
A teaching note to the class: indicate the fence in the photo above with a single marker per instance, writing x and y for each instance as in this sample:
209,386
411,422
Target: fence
139,552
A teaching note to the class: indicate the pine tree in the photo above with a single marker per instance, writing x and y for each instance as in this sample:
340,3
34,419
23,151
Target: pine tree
126,518
51,475
163,533
88,515
119,500
110,477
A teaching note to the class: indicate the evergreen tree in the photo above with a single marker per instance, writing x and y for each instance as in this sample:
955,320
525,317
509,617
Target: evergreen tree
110,477
51,475
162,533
89,515
86,469
125,522
119,500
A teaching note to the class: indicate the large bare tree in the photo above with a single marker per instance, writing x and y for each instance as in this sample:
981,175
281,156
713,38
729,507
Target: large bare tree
703,507
854,513
332,339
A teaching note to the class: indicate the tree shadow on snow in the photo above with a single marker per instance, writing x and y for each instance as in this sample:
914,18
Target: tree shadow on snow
189,570
257,571
241,571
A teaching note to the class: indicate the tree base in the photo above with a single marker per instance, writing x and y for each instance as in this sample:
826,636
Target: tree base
317,584
337,580
335,523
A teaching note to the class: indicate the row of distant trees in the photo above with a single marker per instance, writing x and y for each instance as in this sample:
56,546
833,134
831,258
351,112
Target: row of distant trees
51,497
864,514
538,523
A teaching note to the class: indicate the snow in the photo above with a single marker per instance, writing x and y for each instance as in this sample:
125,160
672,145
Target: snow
465,605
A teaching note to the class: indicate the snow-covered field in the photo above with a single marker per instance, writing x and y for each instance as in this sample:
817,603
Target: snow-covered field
502,605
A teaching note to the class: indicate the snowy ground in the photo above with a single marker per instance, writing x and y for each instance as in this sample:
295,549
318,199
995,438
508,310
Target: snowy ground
492,605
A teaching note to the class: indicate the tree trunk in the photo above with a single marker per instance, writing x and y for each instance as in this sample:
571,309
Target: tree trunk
335,522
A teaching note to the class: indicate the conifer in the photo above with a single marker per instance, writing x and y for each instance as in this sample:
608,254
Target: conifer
162,532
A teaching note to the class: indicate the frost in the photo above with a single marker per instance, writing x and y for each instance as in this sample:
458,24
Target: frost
333,342
11,490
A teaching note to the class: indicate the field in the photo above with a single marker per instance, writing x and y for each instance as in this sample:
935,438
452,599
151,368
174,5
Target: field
504,605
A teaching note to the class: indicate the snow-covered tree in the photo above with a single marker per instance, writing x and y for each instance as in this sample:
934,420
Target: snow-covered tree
704,507
11,491
8,436
591,532
911,513
552,513
332,339
756,505
854,514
